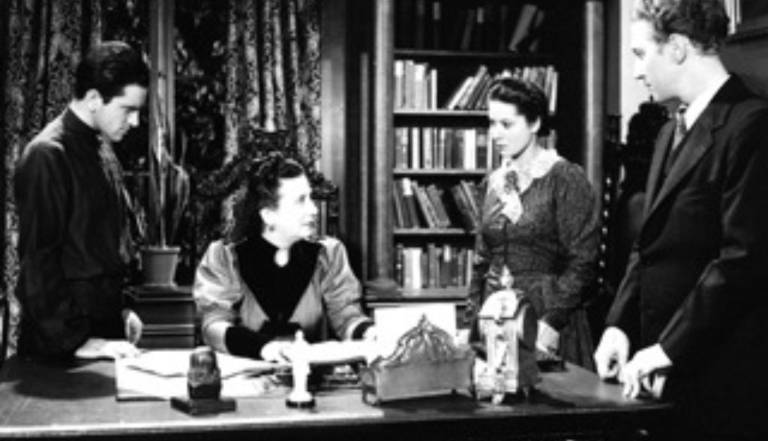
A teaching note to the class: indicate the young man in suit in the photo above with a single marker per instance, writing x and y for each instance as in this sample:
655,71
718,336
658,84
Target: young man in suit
73,241
692,309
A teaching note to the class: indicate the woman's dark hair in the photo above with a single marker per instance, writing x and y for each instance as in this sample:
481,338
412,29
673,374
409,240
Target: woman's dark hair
108,67
704,22
530,100
261,191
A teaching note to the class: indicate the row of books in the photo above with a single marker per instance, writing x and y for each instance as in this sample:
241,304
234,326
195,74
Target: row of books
428,148
433,266
451,148
491,26
472,92
415,85
427,206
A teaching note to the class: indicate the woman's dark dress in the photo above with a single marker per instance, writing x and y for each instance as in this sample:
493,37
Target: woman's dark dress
550,250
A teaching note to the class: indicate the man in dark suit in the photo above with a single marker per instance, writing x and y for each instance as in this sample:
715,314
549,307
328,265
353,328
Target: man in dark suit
73,238
693,305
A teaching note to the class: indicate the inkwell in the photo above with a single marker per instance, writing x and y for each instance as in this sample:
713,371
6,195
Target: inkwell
203,386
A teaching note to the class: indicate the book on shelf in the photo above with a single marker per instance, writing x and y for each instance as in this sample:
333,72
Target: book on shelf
462,203
486,26
433,265
436,25
428,210
398,203
472,197
431,148
421,22
435,196
469,27
472,92
523,27
415,85
404,191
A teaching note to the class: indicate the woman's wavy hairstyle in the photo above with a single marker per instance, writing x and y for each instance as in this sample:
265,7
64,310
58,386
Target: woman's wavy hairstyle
704,22
261,191
529,98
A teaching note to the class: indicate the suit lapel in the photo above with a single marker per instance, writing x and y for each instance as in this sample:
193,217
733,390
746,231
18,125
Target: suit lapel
659,152
695,144
698,141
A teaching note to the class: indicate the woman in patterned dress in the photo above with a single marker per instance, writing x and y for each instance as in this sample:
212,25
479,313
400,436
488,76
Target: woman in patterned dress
539,218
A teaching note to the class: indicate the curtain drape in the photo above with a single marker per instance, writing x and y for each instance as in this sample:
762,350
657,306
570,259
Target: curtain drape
272,84
273,75
42,43
272,81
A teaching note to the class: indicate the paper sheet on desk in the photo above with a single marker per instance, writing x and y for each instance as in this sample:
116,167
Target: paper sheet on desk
162,374
393,322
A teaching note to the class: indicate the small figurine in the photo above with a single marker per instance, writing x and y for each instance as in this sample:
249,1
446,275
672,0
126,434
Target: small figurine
508,324
203,377
300,396
203,386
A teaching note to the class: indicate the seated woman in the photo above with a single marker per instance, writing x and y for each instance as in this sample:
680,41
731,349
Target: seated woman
539,218
255,291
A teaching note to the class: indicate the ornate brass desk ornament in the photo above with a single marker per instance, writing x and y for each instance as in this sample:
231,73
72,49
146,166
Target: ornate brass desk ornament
508,325
203,386
425,362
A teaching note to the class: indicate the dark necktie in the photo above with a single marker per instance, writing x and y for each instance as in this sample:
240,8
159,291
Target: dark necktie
114,174
680,126
680,131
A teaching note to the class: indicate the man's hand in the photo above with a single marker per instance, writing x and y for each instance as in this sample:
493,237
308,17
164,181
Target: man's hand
611,353
133,326
370,334
638,372
547,338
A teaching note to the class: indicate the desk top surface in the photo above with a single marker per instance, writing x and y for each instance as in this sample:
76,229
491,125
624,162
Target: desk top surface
47,401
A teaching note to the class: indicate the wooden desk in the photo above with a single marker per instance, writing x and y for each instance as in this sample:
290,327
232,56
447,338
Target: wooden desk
58,402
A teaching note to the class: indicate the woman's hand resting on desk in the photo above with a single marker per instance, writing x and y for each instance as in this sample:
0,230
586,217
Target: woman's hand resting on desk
278,351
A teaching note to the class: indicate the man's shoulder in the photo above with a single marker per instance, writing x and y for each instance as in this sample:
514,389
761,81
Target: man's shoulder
48,141
745,99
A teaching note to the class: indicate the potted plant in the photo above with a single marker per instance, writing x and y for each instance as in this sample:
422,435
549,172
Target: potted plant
168,190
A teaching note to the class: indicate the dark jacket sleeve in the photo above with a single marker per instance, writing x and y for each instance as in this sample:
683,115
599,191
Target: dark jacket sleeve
732,284
55,322
624,312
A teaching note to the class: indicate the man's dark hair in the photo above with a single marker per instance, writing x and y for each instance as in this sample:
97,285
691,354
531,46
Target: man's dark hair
108,67
530,99
704,22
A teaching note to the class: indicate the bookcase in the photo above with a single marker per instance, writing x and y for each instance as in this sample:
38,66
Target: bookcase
433,63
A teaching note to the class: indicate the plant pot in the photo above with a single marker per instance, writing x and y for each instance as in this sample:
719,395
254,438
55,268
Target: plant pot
158,265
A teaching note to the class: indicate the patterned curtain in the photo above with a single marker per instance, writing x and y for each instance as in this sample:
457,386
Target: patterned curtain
273,74
273,86
42,44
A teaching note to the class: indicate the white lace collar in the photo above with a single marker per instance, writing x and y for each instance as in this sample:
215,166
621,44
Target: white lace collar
539,166
512,205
